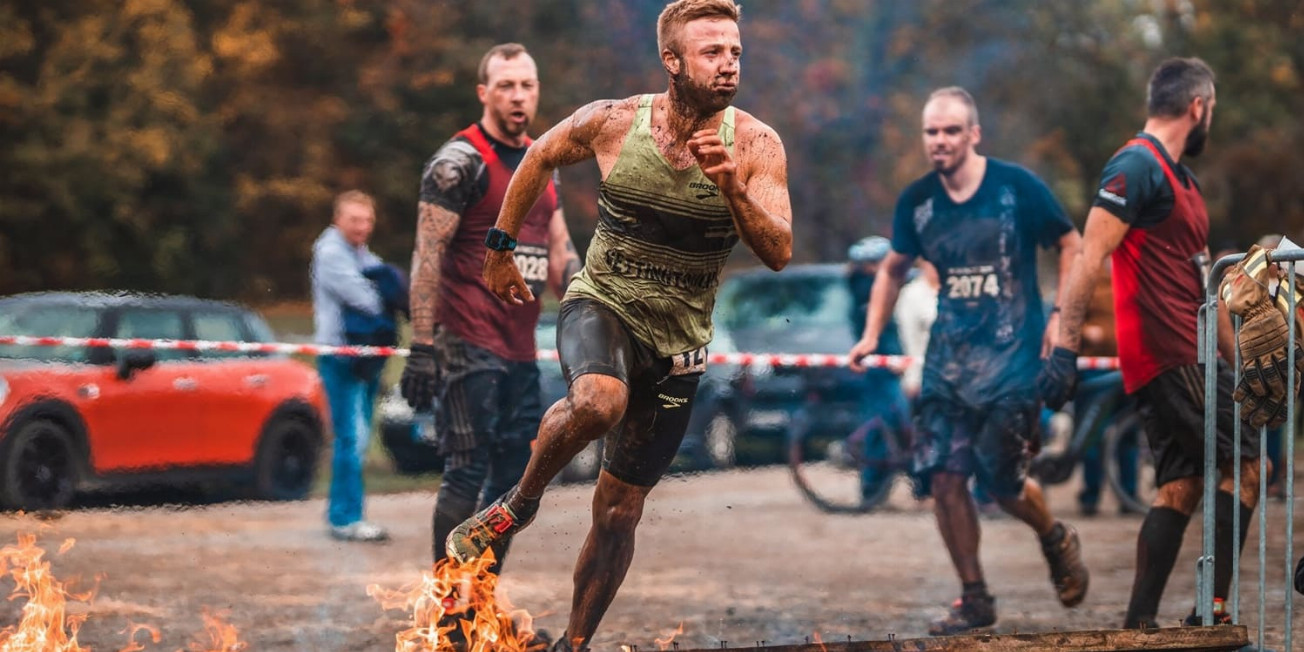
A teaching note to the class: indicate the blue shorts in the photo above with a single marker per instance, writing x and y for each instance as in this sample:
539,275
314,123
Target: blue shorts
994,442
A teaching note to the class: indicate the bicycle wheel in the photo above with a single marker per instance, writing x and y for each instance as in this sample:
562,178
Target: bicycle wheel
850,475
1129,464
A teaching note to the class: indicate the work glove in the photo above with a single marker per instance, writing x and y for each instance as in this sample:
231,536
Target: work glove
1058,379
1264,333
1260,412
418,383
1283,304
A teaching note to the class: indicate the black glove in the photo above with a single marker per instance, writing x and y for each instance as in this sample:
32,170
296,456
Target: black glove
419,377
1058,379
1299,576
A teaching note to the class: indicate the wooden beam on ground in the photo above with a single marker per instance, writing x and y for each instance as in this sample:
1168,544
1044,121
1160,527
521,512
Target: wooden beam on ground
1221,638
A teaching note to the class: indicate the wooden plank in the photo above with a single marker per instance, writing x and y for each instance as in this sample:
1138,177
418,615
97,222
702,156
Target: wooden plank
1222,638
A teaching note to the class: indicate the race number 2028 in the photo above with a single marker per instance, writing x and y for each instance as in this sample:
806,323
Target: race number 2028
532,260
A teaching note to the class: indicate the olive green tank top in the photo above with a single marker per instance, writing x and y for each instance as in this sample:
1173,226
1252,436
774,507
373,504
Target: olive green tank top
663,237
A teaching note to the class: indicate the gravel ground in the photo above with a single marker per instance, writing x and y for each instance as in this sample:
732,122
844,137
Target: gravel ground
734,556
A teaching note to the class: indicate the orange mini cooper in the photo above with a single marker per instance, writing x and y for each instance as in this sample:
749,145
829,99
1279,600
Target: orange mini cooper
75,418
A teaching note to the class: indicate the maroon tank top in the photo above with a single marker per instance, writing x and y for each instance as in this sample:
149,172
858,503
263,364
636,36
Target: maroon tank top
1158,289
466,306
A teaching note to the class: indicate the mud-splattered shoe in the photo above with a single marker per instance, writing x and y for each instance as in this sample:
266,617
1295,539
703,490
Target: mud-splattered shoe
1220,615
1063,551
564,644
491,525
968,614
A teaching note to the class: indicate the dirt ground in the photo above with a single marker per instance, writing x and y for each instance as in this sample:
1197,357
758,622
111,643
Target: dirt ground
734,556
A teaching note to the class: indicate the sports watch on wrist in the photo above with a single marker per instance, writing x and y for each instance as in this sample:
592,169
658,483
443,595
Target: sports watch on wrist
499,240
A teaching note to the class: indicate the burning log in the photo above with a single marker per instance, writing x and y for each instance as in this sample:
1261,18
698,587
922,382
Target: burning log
1212,639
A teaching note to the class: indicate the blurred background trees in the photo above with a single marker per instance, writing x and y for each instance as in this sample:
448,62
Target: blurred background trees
194,147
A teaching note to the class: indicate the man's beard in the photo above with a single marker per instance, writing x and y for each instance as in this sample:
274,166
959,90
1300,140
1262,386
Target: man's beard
945,170
1196,139
511,128
701,100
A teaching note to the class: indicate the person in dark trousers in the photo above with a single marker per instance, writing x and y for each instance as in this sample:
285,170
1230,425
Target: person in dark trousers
1149,216
881,397
1098,340
980,221
476,352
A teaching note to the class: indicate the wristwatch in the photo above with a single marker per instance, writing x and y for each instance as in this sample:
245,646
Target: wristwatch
499,240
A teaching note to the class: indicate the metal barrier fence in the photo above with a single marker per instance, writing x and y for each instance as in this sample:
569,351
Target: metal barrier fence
1208,339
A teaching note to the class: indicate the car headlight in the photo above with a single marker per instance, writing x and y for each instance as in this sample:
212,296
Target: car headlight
4,390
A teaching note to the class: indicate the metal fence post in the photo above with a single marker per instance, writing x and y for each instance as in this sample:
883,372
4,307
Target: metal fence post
1209,343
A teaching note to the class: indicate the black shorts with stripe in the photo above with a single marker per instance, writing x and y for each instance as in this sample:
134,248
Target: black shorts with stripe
1172,409
486,403
592,339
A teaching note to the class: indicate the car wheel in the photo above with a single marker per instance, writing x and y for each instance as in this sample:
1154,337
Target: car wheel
39,467
286,464
411,455
721,441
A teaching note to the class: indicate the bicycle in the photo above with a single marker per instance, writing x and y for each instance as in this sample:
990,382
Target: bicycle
1102,413
855,474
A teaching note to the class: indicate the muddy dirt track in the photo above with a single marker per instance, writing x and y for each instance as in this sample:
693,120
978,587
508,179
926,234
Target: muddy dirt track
734,556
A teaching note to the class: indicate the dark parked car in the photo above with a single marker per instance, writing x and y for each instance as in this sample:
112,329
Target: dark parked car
710,442
74,418
804,309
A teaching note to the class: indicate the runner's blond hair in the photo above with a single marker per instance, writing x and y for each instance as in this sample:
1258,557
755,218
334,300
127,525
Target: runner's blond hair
679,13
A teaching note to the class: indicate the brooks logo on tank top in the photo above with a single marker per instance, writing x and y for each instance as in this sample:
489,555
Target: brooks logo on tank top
663,237
1157,286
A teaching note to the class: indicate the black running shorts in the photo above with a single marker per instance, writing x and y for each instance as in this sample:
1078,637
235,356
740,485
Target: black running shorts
994,443
1172,409
591,339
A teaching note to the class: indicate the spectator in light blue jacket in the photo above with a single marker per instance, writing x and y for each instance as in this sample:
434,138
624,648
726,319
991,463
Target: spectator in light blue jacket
339,257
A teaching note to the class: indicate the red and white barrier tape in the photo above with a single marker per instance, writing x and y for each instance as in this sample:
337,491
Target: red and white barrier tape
746,359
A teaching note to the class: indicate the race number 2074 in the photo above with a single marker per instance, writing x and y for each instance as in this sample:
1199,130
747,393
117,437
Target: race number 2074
972,282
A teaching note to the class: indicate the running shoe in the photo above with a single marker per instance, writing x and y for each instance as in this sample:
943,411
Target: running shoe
967,615
1067,572
491,525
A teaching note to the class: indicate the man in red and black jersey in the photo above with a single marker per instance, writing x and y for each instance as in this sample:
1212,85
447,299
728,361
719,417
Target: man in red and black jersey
476,352
1150,217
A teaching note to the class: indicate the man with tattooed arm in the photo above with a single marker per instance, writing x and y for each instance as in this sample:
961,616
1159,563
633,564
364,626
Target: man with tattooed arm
476,352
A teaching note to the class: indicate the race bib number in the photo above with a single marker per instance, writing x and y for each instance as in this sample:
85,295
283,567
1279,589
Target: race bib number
532,261
690,362
972,282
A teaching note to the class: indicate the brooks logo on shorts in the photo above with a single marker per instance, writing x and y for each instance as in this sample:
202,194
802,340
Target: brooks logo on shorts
671,401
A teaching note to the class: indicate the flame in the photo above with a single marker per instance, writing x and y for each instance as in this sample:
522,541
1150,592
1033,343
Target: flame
819,641
45,625
133,629
664,643
222,637
456,600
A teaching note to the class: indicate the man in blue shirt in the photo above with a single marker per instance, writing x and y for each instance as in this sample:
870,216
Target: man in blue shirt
339,257
979,221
